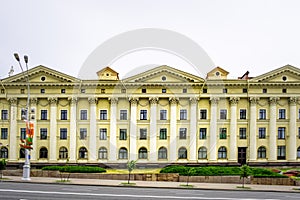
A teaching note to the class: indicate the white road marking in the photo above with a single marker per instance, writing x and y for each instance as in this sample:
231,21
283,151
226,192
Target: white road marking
124,195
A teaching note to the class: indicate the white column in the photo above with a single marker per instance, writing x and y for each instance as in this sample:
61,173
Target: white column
292,136
272,130
253,129
233,131
133,128
13,130
193,129
34,152
153,128
212,150
92,152
173,129
113,130
73,129
53,129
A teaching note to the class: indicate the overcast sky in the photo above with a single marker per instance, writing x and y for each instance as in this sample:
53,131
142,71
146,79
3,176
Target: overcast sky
256,35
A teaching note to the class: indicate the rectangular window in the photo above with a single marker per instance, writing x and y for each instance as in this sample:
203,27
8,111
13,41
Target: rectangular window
243,134
43,133
225,90
83,114
298,132
103,91
4,133
4,114
63,133
202,133
243,113
83,134
163,90
299,114
281,132
123,114
204,90
82,90
182,133
23,133
63,91
183,114
64,114
144,90
281,114
184,90
163,114
245,90
163,134
44,114
123,90
262,114
123,134
223,114
103,114
264,90
280,152
2,91
284,90
143,115
42,91
143,134
103,134
223,132
262,133
203,114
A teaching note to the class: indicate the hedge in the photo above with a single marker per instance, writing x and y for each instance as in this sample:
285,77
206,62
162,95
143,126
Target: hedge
75,169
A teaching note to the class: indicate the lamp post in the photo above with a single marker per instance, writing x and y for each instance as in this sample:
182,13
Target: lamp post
26,166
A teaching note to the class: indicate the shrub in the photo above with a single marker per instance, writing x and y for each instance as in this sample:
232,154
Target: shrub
75,169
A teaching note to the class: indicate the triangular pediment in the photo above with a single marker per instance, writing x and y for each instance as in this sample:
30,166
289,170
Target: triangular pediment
108,73
164,74
287,73
41,74
217,73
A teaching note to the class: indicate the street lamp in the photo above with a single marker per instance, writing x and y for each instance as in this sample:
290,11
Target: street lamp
26,167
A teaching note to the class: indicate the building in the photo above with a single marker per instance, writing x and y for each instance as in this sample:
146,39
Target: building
160,116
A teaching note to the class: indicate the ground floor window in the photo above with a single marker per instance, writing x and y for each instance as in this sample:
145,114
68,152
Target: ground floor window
222,153
43,152
102,153
162,153
202,153
123,153
261,152
182,153
63,153
83,153
143,153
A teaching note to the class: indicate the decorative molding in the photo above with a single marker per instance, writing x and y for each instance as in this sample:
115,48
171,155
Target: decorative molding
214,100
173,100
113,100
73,100
52,100
13,101
293,100
93,100
234,100
33,101
194,100
274,100
153,100
254,100
133,100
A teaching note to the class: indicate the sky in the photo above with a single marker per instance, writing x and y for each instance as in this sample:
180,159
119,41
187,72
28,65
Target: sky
237,35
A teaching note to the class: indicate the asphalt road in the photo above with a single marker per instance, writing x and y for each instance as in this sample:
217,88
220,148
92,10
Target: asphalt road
29,191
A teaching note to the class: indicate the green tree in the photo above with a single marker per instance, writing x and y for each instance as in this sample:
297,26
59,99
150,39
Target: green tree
130,166
2,167
245,172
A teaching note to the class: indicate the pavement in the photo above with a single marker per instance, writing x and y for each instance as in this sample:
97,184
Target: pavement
157,184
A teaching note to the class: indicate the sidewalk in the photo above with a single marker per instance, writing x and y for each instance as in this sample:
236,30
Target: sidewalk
157,184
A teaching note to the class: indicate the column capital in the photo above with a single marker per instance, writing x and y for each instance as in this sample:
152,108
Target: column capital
293,100
273,100
13,101
73,100
93,100
194,100
173,100
214,100
234,100
113,100
153,100
133,100
33,101
52,100
254,100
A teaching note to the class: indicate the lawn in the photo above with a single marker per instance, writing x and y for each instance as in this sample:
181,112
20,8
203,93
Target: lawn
135,171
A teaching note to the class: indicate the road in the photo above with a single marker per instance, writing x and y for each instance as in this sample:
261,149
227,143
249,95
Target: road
29,191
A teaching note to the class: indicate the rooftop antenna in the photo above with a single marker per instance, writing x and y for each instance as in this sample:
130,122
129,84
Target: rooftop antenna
11,71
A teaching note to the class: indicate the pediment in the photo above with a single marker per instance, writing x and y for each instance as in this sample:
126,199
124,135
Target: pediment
41,74
286,73
217,73
164,74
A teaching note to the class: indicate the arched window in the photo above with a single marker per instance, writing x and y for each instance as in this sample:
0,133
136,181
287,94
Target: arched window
261,152
162,153
143,153
102,153
202,153
4,152
298,152
182,153
63,153
83,153
222,153
22,153
123,153
43,152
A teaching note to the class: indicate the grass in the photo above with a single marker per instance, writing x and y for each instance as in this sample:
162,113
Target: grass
245,188
62,181
128,184
186,186
135,171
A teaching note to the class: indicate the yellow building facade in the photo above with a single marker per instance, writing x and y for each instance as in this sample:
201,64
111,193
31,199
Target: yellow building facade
160,116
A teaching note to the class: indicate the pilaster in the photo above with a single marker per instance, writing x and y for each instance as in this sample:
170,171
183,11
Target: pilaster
253,128
34,152
73,128
53,129
292,135
193,128
113,129
173,131
93,129
212,152
233,131
272,129
13,129
133,128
